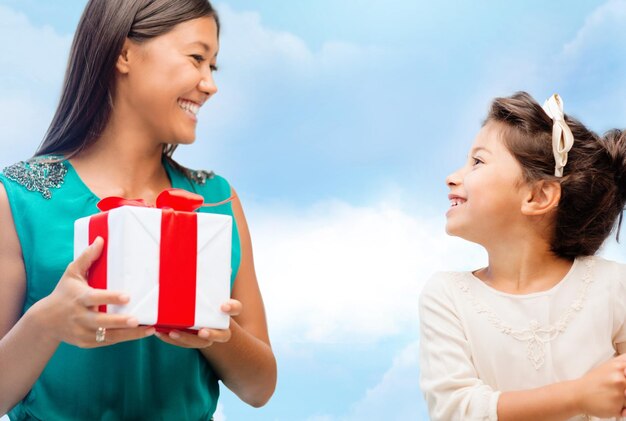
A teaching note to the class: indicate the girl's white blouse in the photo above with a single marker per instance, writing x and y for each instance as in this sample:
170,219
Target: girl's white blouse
477,342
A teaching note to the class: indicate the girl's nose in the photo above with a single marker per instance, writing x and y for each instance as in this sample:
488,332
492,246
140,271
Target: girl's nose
453,179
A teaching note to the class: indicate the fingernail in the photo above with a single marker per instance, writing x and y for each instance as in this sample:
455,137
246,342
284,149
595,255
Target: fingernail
152,331
124,297
203,334
174,335
132,322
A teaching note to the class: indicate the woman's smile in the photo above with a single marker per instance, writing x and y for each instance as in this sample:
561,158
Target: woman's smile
190,108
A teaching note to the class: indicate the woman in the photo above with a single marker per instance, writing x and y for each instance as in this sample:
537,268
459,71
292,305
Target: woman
138,73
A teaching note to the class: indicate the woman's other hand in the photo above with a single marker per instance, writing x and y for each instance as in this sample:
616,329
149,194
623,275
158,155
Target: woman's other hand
205,336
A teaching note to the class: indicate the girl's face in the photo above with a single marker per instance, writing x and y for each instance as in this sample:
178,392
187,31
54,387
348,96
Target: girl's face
168,78
486,194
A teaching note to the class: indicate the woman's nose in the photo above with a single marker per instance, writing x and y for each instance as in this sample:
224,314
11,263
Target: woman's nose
207,85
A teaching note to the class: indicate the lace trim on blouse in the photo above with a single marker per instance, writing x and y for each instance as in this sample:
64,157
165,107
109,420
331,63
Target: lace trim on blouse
535,335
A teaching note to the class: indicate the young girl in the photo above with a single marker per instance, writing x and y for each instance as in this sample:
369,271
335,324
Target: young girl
537,333
139,71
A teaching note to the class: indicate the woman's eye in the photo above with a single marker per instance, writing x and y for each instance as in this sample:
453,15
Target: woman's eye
198,58
477,161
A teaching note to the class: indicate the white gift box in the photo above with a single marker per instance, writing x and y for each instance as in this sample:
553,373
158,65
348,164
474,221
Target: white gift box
134,264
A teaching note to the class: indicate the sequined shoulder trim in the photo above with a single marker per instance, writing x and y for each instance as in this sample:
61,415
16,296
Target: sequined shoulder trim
200,176
40,174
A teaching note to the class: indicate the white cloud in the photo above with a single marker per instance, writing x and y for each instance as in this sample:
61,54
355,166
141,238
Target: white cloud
219,413
397,396
270,79
32,64
30,54
245,40
249,45
342,273
23,121
587,70
603,26
591,66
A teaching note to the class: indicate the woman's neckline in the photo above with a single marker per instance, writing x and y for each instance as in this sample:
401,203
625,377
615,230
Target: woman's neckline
548,291
86,188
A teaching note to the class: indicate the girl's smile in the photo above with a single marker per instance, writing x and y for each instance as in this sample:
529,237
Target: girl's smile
486,193
455,201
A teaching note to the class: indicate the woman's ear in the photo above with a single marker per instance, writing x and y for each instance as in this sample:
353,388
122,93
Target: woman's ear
123,60
542,198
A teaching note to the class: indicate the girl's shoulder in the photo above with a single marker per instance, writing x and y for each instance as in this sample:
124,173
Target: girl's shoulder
442,287
444,280
606,270
604,263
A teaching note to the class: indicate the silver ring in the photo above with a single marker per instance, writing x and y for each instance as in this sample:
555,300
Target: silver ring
100,334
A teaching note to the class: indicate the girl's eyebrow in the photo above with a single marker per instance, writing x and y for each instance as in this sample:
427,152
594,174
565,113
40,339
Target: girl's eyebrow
480,148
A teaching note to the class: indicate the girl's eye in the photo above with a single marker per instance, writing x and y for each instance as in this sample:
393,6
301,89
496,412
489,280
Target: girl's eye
213,68
477,161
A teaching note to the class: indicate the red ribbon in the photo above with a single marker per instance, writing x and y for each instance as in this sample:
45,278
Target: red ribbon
178,253
99,227
177,199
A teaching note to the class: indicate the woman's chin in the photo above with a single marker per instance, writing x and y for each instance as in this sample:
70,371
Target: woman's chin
186,140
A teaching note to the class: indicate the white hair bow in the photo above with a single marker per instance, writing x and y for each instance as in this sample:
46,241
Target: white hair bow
562,137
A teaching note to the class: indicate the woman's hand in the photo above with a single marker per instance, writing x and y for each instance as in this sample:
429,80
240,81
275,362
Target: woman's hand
71,310
601,392
205,337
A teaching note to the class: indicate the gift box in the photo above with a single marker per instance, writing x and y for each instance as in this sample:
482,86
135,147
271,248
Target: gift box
173,262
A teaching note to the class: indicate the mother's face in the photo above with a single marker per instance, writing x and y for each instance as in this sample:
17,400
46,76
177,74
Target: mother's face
163,82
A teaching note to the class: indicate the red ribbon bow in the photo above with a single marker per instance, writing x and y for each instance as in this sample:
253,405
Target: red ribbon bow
177,199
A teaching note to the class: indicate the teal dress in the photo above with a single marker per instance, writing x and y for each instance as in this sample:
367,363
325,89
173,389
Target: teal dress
145,379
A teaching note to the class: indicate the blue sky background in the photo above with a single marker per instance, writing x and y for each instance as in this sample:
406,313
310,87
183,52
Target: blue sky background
337,123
